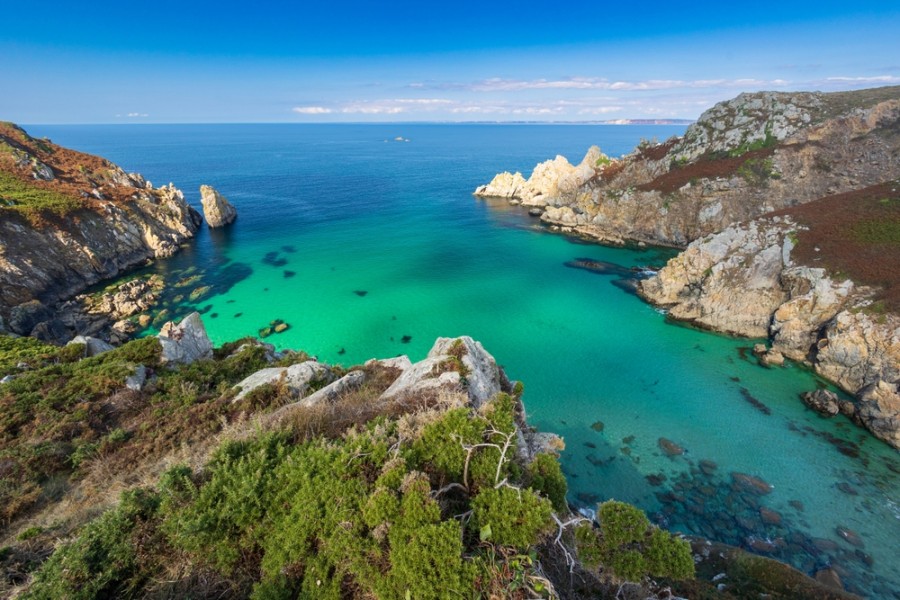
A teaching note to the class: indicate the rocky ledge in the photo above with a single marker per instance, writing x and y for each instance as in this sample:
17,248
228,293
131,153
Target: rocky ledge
745,281
69,220
743,158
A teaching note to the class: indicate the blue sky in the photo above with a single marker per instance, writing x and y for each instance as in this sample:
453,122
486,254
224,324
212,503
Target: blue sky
171,62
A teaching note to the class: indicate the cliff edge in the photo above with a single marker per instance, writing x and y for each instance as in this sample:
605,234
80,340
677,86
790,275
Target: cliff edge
757,153
69,220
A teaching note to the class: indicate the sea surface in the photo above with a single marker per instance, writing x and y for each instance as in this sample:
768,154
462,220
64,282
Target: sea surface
371,247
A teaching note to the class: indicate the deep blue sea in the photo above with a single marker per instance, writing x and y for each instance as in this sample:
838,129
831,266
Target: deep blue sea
369,247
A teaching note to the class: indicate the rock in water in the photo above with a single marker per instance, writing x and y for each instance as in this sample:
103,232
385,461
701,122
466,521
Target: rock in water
217,210
185,342
824,402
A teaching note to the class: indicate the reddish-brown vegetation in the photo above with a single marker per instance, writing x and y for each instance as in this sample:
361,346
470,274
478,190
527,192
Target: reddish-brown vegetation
857,235
704,168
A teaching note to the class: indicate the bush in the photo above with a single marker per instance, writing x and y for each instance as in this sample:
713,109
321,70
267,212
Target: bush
631,547
511,517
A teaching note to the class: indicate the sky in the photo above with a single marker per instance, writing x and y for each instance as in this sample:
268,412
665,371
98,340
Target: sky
312,61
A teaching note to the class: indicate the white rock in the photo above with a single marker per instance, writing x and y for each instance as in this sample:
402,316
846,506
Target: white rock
92,346
217,210
297,378
185,342
136,381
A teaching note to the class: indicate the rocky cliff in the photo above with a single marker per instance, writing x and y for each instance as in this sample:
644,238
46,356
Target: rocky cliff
817,281
68,220
743,158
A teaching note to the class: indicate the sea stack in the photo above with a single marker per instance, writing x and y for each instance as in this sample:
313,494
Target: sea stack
218,211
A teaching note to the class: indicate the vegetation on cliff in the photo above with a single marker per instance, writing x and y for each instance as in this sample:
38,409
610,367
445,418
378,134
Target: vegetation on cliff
421,496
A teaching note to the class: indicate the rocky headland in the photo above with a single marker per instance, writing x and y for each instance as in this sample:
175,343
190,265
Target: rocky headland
69,220
743,158
787,207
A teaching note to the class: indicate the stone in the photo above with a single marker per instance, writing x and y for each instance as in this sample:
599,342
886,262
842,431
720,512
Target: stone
136,381
670,447
878,408
185,342
769,517
7,379
398,362
296,378
824,402
849,536
92,346
751,484
217,210
25,317
830,578
440,370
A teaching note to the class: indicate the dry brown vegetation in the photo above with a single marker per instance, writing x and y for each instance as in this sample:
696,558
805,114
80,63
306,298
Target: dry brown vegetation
704,168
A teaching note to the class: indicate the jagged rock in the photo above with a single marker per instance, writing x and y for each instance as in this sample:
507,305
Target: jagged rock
441,370
878,408
136,381
743,281
185,342
336,389
688,187
217,210
25,317
127,299
398,362
92,346
121,331
296,378
130,223
824,402
503,185
53,331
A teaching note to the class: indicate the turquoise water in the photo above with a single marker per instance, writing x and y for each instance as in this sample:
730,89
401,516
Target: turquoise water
373,248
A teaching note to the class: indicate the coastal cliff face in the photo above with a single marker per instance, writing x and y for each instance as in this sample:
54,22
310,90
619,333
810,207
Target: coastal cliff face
69,220
746,281
743,158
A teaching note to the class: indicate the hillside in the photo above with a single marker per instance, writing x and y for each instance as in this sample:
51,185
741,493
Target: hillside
69,220
166,468
743,158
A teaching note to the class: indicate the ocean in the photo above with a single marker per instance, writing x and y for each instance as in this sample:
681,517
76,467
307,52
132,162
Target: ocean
371,247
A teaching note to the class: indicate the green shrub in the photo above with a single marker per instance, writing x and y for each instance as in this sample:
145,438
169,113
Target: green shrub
628,545
545,475
514,517
103,561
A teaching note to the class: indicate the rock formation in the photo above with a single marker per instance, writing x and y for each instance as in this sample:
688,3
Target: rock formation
91,221
218,211
744,281
743,158
184,342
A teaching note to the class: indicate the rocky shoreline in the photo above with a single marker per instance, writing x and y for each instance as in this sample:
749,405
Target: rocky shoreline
713,192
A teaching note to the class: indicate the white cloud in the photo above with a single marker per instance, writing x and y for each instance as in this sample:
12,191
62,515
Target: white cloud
875,79
497,84
311,110
394,106
133,115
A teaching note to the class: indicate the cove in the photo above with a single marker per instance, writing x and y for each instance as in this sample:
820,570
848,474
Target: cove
368,247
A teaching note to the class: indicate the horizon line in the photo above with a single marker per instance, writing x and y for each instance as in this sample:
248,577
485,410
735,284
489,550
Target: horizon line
615,122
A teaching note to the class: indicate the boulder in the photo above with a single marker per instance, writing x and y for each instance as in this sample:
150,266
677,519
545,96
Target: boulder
296,378
824,402
25,317
185,342
217,210
92,346
878,408
459,364
398,362
136,381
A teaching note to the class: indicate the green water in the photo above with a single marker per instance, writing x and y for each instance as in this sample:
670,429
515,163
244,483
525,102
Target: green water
372,249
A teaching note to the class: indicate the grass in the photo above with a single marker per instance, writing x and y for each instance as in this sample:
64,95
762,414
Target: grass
32,201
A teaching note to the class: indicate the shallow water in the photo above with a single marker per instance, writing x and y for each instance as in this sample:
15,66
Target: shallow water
373,248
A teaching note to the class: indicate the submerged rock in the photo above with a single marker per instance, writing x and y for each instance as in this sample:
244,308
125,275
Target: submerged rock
670,447
751,483
217,210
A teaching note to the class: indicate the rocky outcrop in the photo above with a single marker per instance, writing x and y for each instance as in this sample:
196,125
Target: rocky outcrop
216,209
460,364
298,379
185,342
743,281
743,158
110,221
